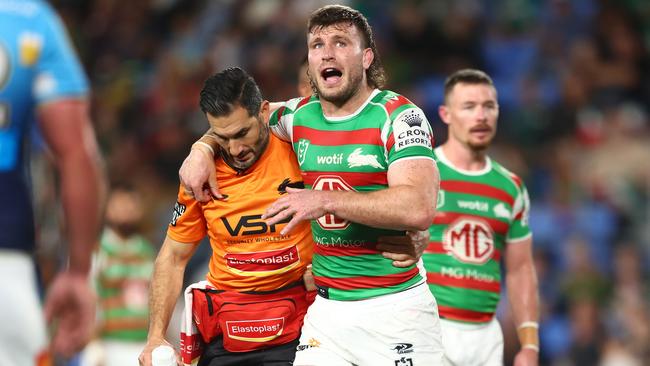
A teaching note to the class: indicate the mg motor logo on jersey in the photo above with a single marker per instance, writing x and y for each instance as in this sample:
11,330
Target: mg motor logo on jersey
260,330
331,183
469,240
263,263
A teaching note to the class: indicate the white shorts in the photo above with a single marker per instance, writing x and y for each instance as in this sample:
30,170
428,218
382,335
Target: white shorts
22,334
472,344
400,329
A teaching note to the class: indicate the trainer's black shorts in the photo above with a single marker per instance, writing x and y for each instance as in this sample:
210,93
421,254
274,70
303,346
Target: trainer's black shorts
215,355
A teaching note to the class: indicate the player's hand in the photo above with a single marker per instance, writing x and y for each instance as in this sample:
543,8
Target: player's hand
526,357
70,311
296,206
198,175
145,356
404,250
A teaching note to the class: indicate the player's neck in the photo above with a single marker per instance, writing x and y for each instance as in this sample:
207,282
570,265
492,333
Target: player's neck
348,107
463,157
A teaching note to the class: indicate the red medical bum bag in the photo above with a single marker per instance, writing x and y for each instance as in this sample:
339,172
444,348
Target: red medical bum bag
250,320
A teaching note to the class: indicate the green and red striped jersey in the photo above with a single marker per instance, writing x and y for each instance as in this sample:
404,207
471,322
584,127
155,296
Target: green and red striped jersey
478,214
354,153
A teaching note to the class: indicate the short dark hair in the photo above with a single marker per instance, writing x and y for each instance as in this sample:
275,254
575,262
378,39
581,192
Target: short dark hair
466,76
227,89
336,14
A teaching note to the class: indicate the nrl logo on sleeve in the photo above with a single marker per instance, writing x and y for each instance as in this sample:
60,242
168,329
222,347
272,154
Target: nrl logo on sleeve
179,209
303,145
409,130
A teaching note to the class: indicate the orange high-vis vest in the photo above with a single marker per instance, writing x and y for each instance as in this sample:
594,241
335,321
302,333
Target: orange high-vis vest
247,253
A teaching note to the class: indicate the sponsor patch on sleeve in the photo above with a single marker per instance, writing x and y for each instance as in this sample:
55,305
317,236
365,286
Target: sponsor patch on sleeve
179,210
411,128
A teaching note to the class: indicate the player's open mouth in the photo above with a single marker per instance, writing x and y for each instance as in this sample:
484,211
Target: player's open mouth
331,75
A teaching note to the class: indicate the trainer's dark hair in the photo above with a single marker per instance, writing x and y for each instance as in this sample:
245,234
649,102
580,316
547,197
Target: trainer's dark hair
227,89
336,14
466,76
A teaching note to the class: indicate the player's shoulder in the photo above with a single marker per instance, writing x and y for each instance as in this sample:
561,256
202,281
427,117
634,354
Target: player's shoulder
507,175
394,103
26,8
293,105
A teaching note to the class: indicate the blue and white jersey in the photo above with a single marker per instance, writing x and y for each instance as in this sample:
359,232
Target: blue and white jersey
37,65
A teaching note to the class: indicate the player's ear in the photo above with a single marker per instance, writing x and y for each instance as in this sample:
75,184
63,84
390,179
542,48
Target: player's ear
443,112
368,58
265,110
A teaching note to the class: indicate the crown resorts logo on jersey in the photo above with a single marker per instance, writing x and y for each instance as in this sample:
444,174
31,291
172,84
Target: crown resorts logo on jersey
357,159
331,183
303,145
409,131
258,330
263,263
469,240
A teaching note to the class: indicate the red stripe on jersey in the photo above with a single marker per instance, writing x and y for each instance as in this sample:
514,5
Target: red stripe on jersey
477,189
354,283
436,247
302,102
390,143
395,102
281,111
446,218
340,251
464,314
470,283
516,179
352,179
367,136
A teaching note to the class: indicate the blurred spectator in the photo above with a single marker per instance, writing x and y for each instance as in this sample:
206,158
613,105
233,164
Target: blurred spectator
122,269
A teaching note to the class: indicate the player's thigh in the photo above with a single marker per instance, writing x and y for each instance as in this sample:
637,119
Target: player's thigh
468,345
22,336
407,332
316,346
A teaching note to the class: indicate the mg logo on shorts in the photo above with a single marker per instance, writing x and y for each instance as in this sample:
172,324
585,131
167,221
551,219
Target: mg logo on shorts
469,241
331,183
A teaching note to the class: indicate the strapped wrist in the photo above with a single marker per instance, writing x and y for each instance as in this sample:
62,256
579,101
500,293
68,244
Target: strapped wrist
200,145
527,333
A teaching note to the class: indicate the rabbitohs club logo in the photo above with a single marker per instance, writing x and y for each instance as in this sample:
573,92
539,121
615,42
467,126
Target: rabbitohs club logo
303,145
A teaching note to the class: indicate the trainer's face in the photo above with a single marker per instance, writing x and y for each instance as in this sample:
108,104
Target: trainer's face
337,61
471,112
243,138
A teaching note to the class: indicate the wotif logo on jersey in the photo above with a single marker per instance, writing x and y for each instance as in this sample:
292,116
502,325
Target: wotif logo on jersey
469,240
334,159
259,330
263,263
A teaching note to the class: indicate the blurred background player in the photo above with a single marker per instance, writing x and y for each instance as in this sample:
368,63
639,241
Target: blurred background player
482,217
41,78
122,270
